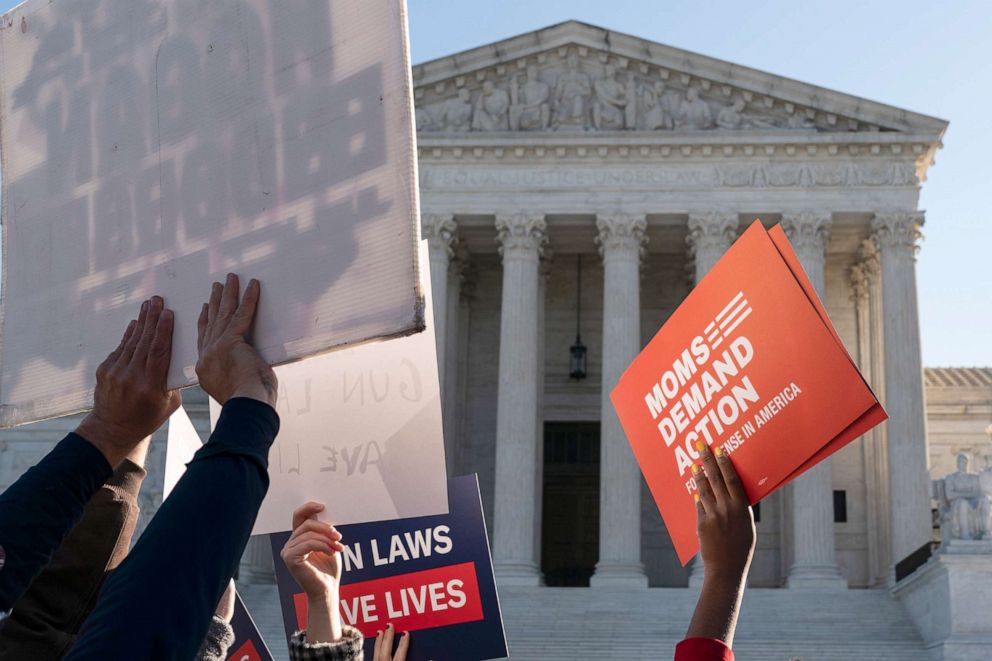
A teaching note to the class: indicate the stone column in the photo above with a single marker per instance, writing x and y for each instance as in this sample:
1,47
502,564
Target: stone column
522,238
451,373
897,235
542,289
813,560
440,232
866,290
710,235
256,562
621,241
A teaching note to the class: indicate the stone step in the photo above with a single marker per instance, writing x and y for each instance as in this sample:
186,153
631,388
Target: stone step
554,624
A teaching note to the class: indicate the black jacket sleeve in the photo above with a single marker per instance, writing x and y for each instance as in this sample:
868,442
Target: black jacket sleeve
159,603
39,510
45,621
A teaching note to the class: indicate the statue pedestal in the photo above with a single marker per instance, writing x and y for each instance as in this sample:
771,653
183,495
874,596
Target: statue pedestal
950,600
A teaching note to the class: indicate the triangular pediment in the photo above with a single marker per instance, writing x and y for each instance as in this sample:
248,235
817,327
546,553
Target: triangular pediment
578,77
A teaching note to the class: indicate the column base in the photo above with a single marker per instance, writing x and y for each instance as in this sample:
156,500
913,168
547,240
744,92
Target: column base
618,575
522,573
816,577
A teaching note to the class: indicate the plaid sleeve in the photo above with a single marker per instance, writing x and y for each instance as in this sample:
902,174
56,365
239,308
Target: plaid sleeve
349,648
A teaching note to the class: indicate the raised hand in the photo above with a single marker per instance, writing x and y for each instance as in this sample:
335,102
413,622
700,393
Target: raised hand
228,365
726,539
132,399
312,556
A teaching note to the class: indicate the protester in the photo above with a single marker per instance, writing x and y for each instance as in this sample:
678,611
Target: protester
726,541
159,602
130,402
312,556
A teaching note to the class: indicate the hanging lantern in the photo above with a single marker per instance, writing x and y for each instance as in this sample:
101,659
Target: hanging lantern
577,352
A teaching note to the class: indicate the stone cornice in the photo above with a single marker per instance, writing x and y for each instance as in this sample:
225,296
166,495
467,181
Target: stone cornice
626,51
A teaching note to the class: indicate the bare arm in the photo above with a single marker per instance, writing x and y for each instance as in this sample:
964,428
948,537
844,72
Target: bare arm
726,540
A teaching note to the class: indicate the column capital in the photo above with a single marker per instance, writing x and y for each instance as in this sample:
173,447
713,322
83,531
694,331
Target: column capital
807,230
521,233
440,230
898,230
621,233
865,271
712,230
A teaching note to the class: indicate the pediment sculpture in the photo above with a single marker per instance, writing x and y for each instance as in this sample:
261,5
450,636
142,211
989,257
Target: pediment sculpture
584,95
965,503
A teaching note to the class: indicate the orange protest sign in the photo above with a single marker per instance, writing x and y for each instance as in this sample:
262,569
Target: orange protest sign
749,362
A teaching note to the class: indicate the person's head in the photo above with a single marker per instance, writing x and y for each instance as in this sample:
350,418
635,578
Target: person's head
659,87
692,94
487,87
610,71
963,462
532,73
464,94
739,105
572,61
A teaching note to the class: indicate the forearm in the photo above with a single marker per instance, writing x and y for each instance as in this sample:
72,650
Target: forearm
716,611
195,541
323,619
45,620
40,508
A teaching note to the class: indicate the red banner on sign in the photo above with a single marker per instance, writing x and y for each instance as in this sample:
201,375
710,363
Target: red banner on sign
418,600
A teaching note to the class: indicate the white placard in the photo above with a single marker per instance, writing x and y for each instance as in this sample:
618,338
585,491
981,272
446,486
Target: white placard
151,146
360,431
182,443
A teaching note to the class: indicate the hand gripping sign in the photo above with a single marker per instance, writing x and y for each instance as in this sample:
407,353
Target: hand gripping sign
431,576
152,146
749,362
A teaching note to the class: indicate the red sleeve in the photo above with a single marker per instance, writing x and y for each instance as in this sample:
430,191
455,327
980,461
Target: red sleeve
703,649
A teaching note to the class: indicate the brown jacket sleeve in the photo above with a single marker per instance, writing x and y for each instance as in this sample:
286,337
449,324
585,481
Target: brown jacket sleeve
45,621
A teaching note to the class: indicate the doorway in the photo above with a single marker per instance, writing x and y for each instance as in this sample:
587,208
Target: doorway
570,517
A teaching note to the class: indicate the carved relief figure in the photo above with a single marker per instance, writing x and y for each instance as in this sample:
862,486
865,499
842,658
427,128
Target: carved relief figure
657,114
965,503
530,107
456,113
694,113
492,109
572,96
732,116
610,105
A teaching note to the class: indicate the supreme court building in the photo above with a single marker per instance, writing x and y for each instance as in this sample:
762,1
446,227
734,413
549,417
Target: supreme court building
575,183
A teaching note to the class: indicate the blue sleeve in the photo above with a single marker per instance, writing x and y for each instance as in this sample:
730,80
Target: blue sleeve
159,602
40,508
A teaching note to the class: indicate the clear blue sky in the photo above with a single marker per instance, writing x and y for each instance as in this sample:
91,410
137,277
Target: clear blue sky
931,57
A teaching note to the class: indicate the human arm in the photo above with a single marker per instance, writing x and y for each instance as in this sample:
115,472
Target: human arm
44,622
220,634
159,603
726,540
130,402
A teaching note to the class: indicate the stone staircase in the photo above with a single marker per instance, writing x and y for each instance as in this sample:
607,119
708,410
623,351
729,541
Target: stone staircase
553,624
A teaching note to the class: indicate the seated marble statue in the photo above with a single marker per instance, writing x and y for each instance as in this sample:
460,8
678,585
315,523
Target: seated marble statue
694,113
531,109
609,109
457,112
965,501
492,109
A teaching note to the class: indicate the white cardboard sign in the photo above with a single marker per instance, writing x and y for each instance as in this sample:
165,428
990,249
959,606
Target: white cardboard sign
360,431
151,146
182,443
